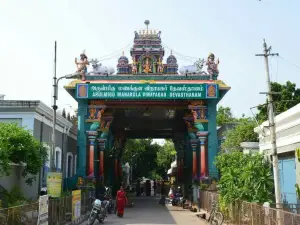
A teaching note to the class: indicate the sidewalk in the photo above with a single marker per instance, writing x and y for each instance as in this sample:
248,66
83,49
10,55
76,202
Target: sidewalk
146,210
184,216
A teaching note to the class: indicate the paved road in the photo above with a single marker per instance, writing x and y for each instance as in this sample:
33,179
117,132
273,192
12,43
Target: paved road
148,211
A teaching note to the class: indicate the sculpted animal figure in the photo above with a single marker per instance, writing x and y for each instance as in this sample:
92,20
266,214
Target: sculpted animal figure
194,69
98,69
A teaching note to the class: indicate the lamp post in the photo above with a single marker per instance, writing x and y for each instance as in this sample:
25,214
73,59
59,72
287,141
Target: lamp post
55,97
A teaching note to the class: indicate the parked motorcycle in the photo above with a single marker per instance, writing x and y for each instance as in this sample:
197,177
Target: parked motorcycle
177,200
110,205
98,211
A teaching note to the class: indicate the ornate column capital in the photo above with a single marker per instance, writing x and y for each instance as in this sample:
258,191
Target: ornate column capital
194,144
202,136
101,143
92,135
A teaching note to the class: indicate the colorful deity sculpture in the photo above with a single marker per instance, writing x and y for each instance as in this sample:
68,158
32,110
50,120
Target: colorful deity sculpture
160,67
134,67
147,66
82,65
212,66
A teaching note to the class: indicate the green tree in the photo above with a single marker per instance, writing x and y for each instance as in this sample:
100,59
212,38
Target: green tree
244,131
166,154
134,148
18,146
224,115
244,177
288,91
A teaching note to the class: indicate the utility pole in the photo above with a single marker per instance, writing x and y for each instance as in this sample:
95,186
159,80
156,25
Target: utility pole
266,54
54,113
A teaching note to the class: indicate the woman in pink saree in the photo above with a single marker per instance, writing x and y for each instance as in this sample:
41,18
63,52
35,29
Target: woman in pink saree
121,202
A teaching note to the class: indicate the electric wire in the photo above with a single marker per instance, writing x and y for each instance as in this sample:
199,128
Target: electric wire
295,65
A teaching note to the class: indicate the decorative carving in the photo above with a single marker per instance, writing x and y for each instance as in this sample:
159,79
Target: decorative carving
134,67
199,113
160,67
194,69
82,91
105,123
92,113
211,90
95,114
212,66
98,69
82,65
147,66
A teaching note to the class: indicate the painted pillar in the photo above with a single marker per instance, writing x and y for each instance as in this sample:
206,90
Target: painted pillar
194,145
105,123
212,138
92,134
203,157
101,144
81,139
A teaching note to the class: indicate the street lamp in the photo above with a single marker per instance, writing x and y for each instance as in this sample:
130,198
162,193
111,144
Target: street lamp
55,97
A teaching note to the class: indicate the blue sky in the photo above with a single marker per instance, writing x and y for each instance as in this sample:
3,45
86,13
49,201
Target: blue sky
232,29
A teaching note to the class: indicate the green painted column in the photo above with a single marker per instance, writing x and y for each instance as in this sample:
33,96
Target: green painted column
81,138
154,67
212,138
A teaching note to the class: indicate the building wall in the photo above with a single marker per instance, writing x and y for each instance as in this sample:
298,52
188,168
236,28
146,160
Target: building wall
33,122
287,126
25,119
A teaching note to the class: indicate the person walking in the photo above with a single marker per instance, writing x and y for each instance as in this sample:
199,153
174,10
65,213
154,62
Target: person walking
121,202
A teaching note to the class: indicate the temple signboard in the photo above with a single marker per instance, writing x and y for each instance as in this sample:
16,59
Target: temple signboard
147,91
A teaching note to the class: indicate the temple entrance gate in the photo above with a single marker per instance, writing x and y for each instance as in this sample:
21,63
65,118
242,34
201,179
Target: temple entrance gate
147,99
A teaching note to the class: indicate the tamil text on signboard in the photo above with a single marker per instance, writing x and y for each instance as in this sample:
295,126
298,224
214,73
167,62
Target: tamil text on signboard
147,91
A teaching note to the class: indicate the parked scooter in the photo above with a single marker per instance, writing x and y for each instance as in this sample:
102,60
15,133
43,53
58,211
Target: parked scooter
177,200
98,211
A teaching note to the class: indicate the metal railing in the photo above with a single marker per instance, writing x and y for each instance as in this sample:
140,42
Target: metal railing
245,213
59,211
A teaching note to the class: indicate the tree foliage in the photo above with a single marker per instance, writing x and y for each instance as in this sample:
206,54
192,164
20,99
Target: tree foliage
224,115
149,159
244,131
18,146
288,92
244,177
166,154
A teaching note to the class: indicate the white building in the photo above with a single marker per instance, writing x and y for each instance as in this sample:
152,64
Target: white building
288,140
36,117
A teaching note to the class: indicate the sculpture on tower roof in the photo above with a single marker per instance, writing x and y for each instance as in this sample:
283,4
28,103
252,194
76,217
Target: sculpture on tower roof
147,55
82,65
212,66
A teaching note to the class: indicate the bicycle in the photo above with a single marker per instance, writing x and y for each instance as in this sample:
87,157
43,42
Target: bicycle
215,217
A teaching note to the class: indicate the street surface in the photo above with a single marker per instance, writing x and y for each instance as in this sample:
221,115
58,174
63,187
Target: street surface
147,211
